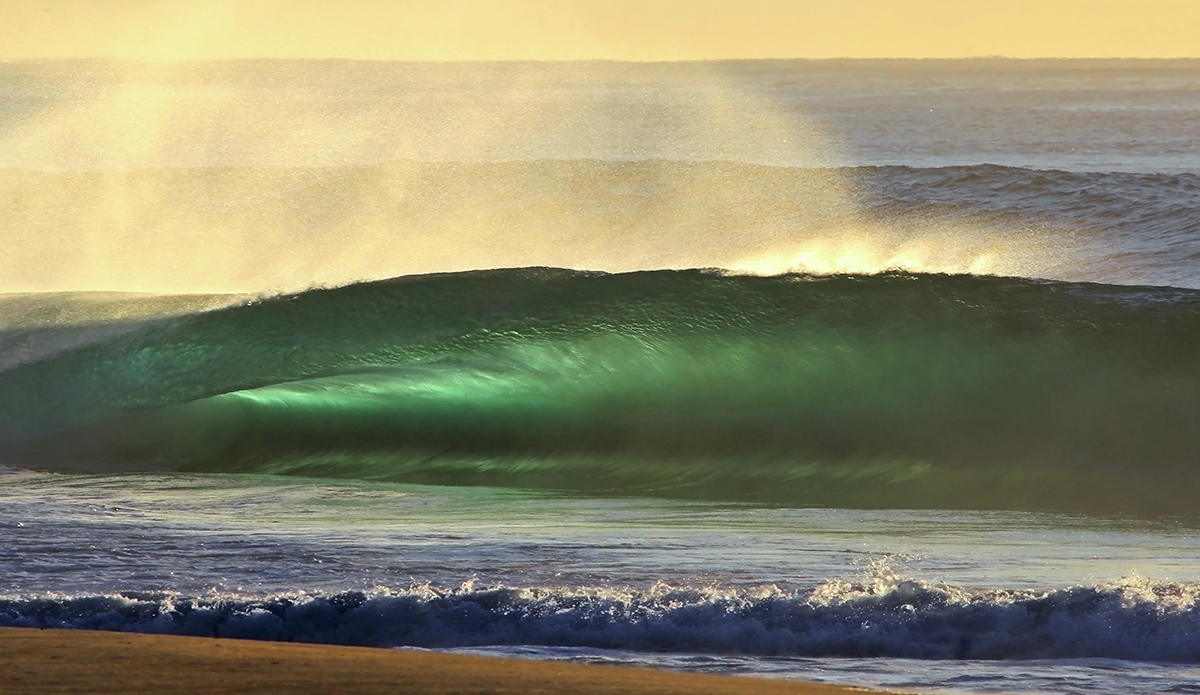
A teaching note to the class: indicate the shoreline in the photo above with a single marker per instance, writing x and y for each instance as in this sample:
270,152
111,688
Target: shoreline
35,660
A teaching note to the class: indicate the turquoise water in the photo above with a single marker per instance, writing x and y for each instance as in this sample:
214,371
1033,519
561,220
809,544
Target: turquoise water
793,389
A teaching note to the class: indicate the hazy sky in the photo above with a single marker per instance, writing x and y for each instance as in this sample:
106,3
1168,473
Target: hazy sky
615,29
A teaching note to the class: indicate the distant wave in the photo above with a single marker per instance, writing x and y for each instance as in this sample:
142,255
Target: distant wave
1149,206
887,390
1131,620
247,229
1129,228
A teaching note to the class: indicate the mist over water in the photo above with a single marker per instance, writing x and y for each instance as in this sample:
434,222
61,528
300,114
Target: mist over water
281,176
266,176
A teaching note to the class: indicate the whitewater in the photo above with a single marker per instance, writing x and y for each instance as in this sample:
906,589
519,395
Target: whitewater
872,372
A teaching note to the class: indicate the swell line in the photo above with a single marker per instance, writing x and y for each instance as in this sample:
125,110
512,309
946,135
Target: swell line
892,390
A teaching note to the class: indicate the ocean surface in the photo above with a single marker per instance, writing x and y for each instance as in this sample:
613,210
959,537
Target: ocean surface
883,373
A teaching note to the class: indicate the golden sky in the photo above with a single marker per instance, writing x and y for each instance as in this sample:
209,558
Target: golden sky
607,29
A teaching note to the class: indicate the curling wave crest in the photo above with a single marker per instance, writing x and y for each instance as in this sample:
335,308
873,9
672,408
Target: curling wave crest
890,390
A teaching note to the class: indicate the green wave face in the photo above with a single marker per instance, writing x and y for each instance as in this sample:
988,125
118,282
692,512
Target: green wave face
890,390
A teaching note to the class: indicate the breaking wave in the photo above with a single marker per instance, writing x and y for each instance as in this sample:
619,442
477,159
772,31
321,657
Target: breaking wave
887,390
1135,619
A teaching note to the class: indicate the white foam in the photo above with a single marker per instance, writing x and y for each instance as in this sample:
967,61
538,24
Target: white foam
1134,619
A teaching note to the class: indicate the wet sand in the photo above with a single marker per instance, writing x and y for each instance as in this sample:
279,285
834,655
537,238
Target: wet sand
76,661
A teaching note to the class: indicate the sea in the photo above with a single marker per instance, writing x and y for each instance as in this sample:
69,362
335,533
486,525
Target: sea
878,373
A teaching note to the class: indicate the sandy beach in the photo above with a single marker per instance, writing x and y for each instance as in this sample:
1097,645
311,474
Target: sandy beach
43,661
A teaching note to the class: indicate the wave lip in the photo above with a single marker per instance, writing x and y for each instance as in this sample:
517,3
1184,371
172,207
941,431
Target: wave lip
892,390
1137,619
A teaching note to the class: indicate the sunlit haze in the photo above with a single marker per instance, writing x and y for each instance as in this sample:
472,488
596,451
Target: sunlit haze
471,139
596,29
